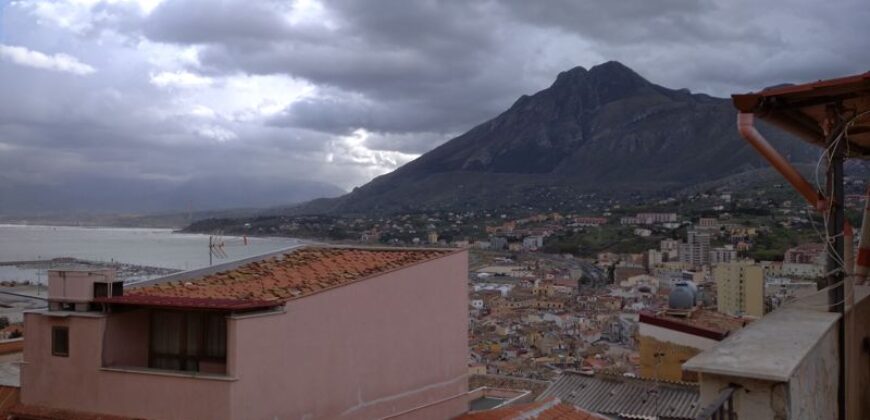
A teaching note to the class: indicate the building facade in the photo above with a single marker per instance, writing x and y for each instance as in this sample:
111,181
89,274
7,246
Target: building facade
696,250
740,289
309,333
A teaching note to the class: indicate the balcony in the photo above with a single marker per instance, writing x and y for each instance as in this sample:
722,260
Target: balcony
167,341
784,366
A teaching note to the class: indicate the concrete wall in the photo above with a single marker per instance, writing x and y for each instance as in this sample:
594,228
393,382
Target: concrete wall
78,383
812,388
858,365
370,349
755,400
810,393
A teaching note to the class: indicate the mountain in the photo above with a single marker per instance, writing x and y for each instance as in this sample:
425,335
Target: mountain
103,195
606,129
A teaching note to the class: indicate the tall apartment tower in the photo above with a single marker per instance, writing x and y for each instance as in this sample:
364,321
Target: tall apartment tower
696,249
740,289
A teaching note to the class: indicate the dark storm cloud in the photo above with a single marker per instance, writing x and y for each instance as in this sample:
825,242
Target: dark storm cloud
419,66
208,21
443,65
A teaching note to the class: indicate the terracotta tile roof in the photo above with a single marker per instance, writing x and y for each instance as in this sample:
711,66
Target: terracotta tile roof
549,409
293,275
187,302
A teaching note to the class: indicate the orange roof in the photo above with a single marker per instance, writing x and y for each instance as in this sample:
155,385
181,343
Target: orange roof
549,409
295,274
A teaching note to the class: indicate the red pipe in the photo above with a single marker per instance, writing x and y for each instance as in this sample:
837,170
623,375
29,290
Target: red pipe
746,127
745,124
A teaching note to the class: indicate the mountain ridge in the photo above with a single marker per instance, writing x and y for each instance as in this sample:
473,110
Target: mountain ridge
591,130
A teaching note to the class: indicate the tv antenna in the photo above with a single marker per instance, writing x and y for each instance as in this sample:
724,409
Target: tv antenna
216,246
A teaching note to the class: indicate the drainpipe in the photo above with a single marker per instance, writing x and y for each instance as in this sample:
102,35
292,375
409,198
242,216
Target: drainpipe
746,127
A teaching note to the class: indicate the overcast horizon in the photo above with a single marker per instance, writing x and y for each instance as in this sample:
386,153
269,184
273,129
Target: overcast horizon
339,92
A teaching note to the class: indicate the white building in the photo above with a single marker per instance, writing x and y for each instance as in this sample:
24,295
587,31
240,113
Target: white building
696,250
723,255
533,242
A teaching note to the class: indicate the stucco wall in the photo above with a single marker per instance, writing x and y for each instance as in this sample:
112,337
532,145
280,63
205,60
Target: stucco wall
126,339
75,285
365,350
78,383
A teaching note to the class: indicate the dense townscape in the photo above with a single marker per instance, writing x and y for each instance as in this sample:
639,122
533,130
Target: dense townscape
552,291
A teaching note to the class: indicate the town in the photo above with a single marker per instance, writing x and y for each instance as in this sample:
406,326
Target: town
555,291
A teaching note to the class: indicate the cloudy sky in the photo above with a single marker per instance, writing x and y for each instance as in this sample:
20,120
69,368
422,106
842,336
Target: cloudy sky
341,91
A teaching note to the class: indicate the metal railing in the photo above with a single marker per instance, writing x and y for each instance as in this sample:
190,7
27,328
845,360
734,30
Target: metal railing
722,408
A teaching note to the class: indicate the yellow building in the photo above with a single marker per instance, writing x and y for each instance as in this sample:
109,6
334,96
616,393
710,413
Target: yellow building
666,341
740,289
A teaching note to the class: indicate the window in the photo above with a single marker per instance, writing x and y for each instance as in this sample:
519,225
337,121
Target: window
101,290
184,340
118,288
60,341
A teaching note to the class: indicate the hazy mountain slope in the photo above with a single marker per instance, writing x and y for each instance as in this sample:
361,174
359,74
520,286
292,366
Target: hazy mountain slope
101,195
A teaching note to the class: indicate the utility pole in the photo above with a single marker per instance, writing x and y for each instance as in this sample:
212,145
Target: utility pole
835,222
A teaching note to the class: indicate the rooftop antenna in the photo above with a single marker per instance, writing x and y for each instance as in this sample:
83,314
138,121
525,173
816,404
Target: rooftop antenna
216,246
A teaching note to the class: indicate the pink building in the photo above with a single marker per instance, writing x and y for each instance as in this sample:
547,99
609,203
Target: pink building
311,333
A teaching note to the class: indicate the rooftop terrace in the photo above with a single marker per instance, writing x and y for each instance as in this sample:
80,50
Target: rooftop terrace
698,321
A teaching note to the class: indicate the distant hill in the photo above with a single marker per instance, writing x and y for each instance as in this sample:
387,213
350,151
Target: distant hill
605,129
107,195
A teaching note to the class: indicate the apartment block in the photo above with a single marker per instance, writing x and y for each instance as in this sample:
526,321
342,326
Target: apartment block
740,289
696,250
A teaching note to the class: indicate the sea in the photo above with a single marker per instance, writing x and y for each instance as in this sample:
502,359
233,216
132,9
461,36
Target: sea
139,246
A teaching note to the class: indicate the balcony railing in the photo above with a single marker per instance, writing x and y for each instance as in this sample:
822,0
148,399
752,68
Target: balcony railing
722,408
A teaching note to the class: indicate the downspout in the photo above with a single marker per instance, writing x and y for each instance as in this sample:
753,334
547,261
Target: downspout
746,127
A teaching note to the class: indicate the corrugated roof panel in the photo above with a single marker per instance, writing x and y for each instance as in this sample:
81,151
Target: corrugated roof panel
626,397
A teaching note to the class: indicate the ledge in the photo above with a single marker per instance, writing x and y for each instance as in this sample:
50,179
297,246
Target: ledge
174,374
768,349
